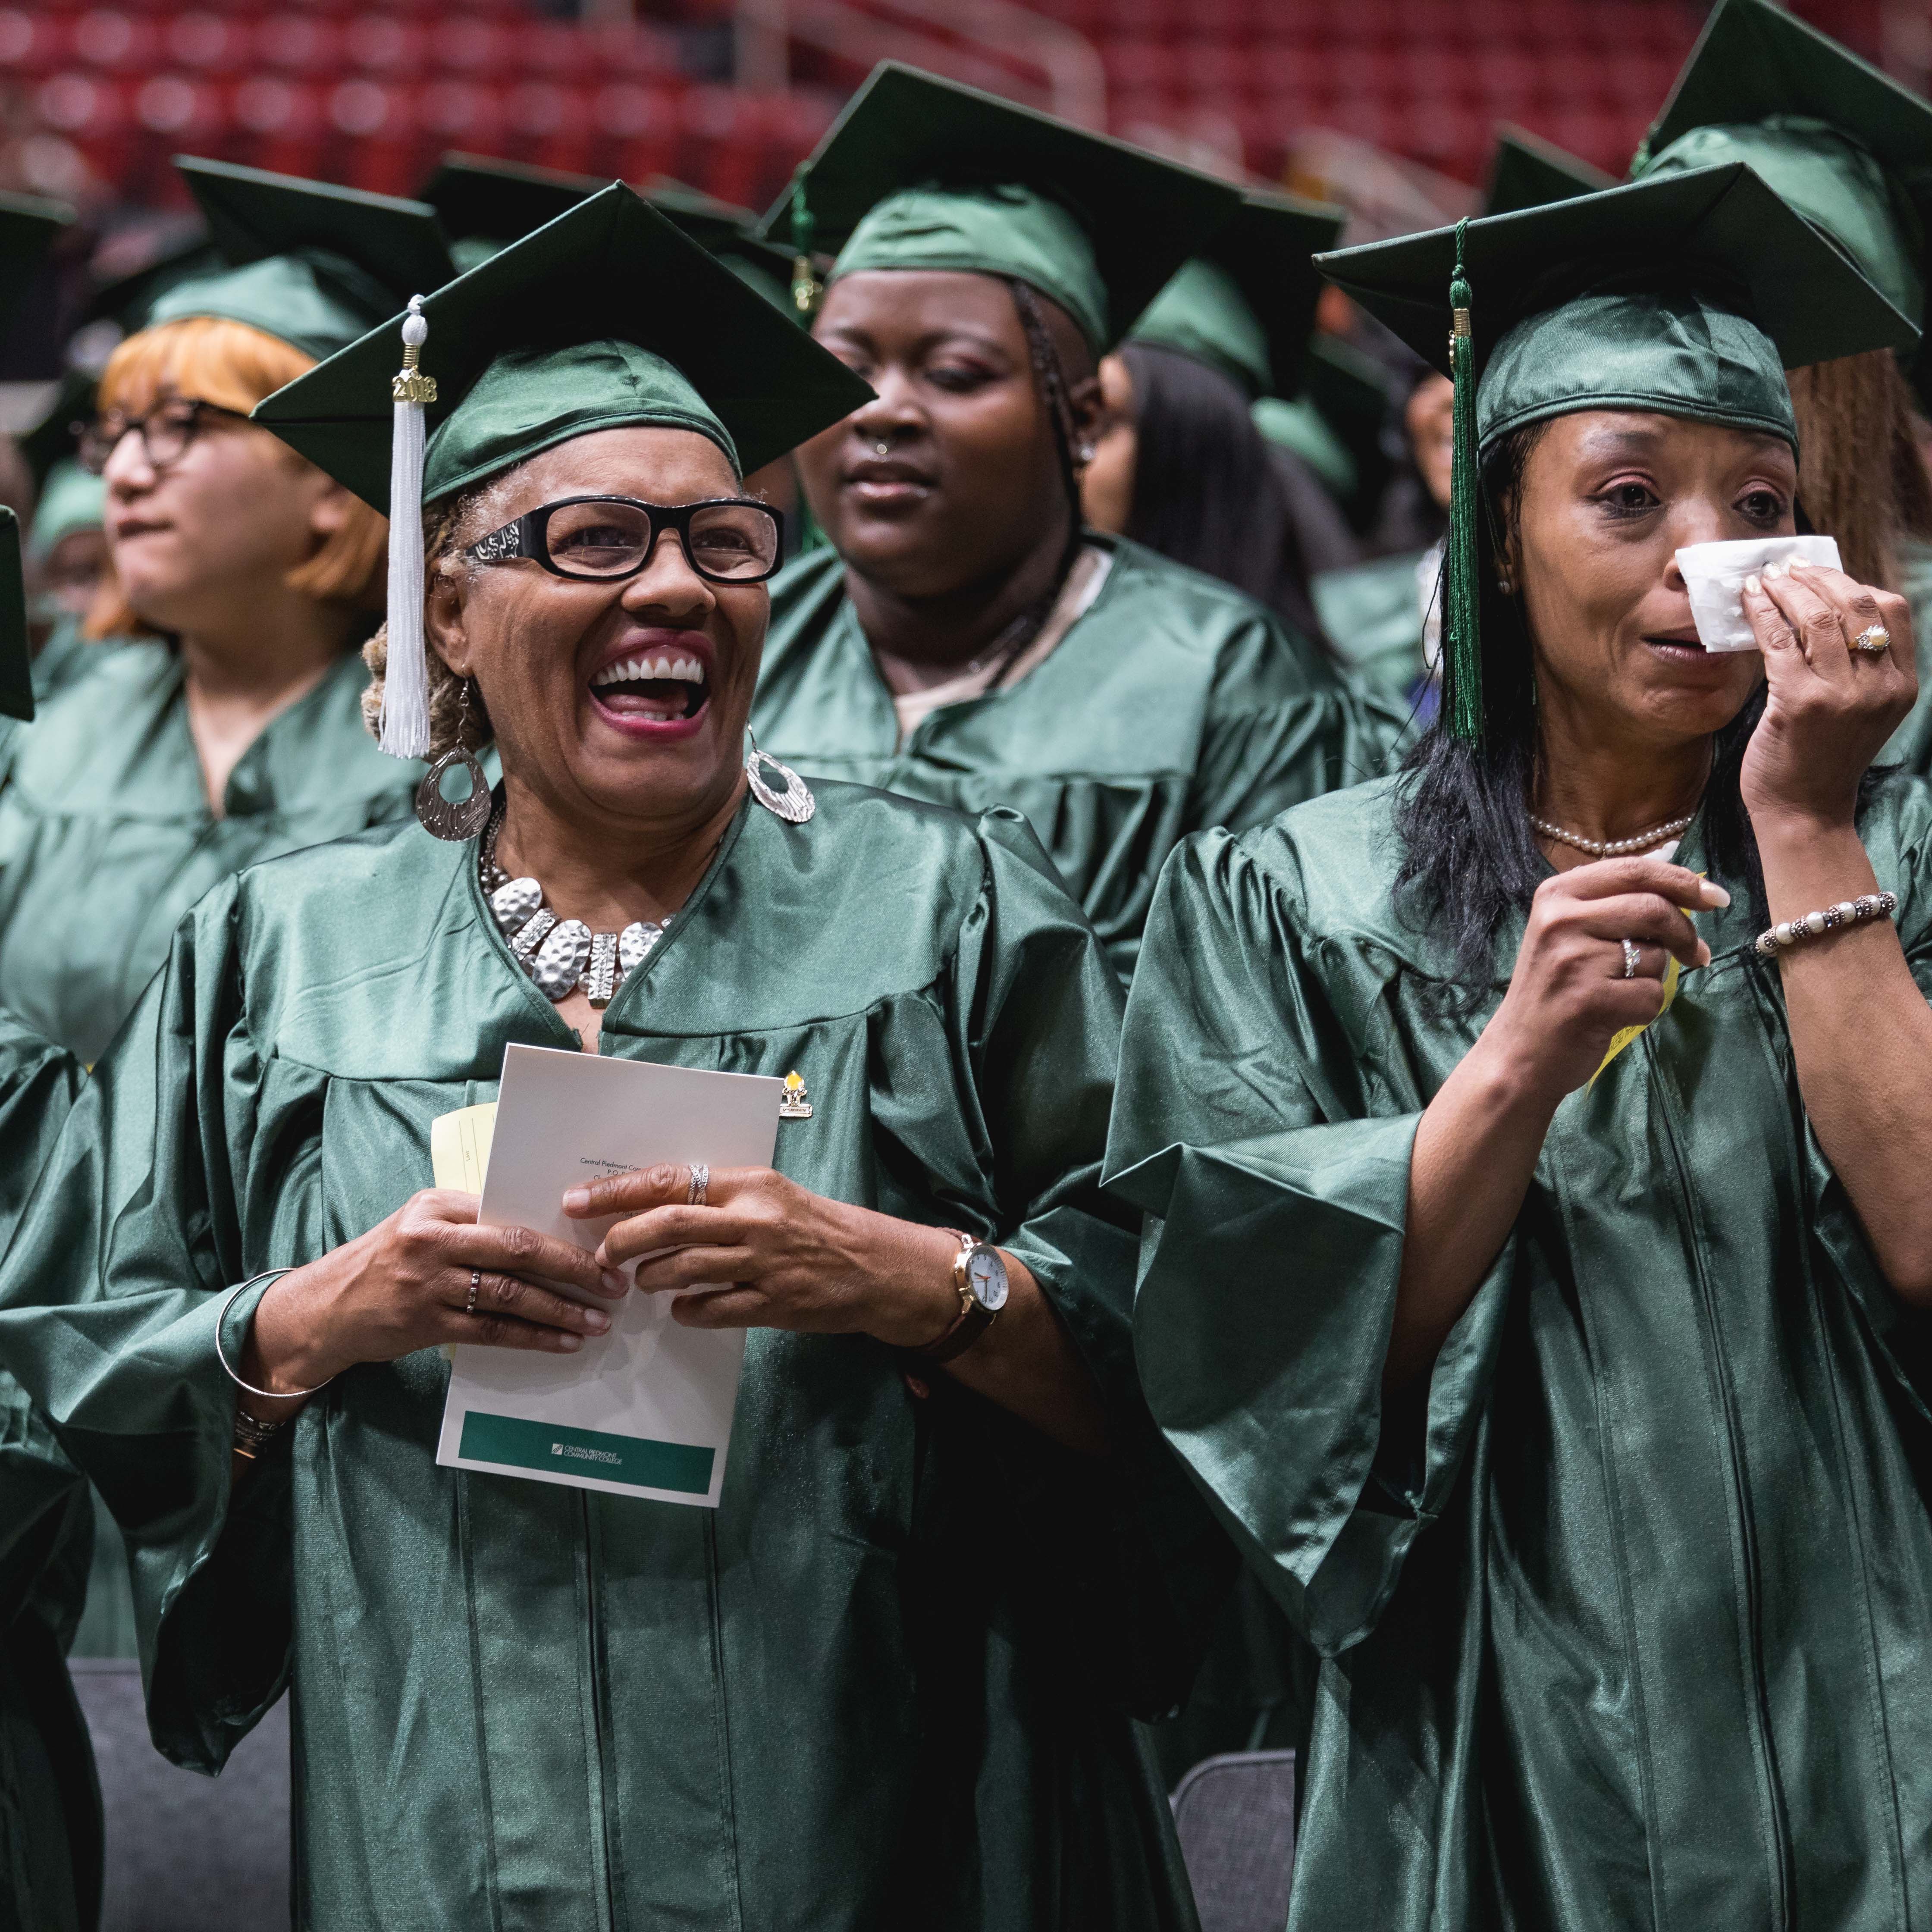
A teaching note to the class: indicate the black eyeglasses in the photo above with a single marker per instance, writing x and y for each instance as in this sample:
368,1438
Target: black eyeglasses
166,431
602,539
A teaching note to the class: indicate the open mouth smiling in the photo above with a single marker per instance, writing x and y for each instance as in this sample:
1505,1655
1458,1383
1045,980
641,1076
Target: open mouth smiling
653,688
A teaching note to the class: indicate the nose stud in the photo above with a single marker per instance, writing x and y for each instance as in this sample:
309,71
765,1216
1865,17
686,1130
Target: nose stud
882,449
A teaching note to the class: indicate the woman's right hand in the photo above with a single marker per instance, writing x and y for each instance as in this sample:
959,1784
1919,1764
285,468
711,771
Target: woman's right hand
1567,996
404,1286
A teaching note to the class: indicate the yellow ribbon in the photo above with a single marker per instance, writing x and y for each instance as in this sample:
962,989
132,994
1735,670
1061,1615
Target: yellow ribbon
1625,1035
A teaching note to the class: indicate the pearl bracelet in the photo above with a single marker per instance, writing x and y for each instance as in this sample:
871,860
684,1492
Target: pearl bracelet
1813,924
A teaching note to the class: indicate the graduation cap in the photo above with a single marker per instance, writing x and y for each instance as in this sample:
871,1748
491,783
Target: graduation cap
1845,145
311,264
919,172
608,317
730,232
1528,172
27,226
16,657
1688,294
486,204
1245,305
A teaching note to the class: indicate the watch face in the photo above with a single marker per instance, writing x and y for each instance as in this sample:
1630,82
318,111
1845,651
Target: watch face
986,1275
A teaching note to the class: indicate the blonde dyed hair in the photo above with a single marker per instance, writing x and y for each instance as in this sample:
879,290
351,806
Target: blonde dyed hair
235,366
1861,477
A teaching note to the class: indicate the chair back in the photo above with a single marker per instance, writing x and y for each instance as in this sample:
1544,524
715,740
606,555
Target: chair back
1234,1816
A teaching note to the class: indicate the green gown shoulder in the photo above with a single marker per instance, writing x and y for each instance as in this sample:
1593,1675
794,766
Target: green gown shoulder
1911,744
1373,614
1173,702
1654,1546
50,1820
106,837
888,1680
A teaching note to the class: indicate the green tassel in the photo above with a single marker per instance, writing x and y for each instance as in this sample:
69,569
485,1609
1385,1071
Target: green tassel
806,288
1462,638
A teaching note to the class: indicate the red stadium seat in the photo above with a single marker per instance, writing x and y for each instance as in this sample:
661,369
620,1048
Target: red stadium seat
635,131
278,125
549,126
378,144
106,37
299,44
385,47
91,111
463,115
475,47
33,45
204,43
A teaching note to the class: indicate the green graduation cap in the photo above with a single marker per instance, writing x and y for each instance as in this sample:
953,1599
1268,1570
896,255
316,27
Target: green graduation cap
487,204
1845,145
1245,305
919,172
1689,295
27,226
608,317
17,661
311,264
1528,172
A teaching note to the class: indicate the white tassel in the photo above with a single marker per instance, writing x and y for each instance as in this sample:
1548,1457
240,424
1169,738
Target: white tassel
406,682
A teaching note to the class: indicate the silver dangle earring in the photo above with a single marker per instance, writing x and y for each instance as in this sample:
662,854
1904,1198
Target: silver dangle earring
456,820
795,804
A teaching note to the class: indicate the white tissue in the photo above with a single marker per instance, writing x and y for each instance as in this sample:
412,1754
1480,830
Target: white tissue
1714,574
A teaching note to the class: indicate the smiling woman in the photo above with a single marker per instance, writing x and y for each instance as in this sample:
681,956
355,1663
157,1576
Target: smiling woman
1537,1245
951,1555
965,639
231,732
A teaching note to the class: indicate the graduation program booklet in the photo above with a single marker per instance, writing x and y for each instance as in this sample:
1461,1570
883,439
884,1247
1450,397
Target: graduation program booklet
646,1409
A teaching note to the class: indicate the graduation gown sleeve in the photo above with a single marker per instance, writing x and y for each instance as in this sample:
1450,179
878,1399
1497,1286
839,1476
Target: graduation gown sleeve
1273,1171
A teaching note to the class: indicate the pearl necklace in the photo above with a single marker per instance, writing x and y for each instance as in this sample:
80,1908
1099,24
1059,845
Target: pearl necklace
1611,848
561,955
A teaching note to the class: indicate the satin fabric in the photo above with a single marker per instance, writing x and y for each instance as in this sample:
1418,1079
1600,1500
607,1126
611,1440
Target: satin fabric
1637,1630
1911,744
886,1683
106,838
49,1801
1373,615
1172,703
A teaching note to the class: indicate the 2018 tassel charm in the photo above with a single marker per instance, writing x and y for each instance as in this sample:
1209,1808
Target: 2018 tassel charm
406,682
1462,638
806,288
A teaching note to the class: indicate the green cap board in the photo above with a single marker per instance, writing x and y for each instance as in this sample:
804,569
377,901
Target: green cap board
17,661
568,323
1245,306
922,173
1527,172
1688,296
311,264
1845,145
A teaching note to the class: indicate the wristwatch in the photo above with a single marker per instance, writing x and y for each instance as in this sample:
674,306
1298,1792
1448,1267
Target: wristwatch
979,1278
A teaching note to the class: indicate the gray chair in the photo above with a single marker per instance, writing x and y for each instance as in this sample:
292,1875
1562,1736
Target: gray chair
1235,1817
185,1853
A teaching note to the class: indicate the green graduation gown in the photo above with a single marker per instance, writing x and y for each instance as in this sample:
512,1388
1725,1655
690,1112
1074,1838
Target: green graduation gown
1372,615
106,838
1639,1632
49,1801
886,1683
1911,744
1172,703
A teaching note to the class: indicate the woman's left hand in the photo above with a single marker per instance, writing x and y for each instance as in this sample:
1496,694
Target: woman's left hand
785,1258
1829,709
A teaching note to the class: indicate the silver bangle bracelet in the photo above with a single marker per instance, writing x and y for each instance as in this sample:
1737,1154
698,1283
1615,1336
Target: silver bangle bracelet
271,1276
1776,939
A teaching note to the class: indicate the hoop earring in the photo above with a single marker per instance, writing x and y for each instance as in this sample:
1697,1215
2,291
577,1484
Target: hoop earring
455,819
795,804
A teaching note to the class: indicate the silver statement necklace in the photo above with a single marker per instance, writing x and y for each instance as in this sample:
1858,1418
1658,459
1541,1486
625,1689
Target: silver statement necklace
561,955
1611,848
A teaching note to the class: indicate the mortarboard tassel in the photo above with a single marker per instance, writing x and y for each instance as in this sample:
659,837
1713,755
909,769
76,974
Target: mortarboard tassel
1462,638
806,288
406,682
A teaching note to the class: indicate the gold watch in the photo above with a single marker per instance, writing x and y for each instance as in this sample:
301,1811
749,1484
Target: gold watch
980,1278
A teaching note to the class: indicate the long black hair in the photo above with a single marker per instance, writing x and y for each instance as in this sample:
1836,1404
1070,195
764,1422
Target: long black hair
1205,492
1469,855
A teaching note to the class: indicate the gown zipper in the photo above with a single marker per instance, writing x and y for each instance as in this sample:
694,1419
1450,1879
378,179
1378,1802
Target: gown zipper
1782,1873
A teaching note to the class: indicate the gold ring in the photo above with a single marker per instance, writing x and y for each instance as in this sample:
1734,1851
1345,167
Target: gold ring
476,1283
1874,641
